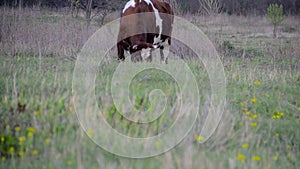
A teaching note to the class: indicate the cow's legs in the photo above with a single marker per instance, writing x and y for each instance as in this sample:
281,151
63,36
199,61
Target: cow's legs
120,52
146,54
136,56
141,51
164,53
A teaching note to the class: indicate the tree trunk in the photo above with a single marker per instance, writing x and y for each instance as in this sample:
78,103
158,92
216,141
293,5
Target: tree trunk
275,31
72,8
39,4
88,12
103,16
20,4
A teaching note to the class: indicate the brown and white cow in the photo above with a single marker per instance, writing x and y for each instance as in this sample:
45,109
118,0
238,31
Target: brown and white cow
153,19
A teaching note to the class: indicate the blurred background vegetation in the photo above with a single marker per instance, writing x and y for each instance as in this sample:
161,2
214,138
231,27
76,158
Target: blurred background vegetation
238,7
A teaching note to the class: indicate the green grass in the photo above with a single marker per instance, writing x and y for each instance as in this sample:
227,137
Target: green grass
259,129
57,138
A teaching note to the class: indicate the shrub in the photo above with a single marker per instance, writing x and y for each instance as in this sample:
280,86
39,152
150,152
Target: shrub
228,45
275,15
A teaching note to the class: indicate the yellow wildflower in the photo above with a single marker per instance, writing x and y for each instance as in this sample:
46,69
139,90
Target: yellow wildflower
257,82
2,139
11,150
256,158
278,115
90,132
31,129
21,153
69,162
245,146
21,140
30,134
3,158
245,109
248,113
288,147
17,128
158,143
37,112
243,103
35,152
277,134
299,109
241,157
47,140
255,116
275,158
254,100
254,124
198,138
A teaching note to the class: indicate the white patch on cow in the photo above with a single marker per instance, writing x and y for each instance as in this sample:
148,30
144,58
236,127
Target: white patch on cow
145,53
127,54
157,40
129,4
166,50
135,47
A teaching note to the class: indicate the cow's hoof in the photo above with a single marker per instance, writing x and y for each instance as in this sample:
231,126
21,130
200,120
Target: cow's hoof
121,59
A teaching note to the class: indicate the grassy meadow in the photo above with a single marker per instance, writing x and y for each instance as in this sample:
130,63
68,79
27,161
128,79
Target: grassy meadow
39,127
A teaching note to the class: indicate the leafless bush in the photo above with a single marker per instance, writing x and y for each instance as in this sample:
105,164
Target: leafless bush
210,7
174,4
52,33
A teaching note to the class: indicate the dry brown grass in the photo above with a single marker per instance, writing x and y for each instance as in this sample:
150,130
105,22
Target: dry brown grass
232,24
57,33
251,37
48,32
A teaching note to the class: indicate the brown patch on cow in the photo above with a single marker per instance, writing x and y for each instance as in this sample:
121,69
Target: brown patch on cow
134,24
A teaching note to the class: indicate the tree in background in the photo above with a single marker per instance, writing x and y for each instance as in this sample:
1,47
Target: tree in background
99,8
20,4
210,7
275,15
175,5
75,6
105,7
88,12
